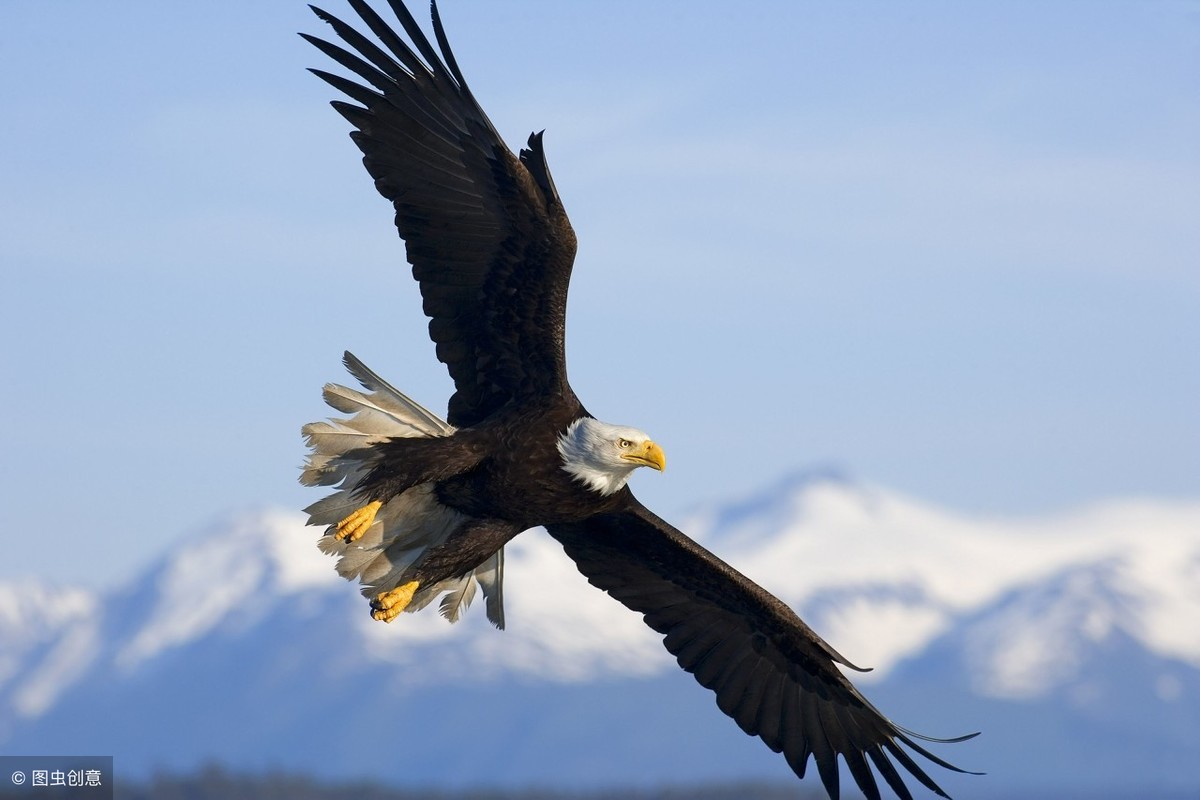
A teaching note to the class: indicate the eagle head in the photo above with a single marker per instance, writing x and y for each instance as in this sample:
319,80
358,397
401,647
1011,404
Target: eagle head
603,456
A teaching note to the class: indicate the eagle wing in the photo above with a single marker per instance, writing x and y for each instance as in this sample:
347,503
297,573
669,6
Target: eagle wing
771,673
484,230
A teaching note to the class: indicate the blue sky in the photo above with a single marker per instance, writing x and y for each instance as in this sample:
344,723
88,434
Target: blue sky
952,248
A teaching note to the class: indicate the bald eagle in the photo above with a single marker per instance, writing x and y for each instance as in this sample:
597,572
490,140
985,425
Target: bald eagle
424,506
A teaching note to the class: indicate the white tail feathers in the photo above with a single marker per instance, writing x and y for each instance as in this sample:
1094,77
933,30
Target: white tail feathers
408,524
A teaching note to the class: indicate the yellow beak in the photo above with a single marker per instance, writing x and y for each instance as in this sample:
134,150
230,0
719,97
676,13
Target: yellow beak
647,455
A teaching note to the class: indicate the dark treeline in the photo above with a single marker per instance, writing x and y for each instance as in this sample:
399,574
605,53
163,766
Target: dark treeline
214,783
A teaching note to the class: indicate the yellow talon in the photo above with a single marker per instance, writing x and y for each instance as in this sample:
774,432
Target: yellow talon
386,606
354,526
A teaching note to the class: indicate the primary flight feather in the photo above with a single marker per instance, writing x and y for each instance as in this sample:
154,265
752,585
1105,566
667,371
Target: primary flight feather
424,507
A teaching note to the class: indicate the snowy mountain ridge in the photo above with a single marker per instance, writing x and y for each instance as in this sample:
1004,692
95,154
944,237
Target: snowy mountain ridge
882,575
1068,616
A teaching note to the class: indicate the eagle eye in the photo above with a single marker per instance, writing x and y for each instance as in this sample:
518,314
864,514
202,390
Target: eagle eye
624,443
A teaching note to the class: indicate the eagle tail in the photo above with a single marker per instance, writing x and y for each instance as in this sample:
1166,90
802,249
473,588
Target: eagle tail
408,525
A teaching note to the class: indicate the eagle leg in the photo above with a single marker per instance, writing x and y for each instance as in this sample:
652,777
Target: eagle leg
357,523
386,606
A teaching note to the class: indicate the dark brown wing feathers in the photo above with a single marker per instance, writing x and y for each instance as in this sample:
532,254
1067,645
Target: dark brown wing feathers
484,230
771,673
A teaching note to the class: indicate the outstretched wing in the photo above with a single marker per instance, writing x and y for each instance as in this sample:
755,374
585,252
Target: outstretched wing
769,670
485,230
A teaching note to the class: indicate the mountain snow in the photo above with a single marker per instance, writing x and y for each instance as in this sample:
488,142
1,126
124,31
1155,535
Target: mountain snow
881,575
1028,611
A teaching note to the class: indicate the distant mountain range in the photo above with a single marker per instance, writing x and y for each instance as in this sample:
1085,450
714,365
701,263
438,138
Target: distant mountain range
1072,641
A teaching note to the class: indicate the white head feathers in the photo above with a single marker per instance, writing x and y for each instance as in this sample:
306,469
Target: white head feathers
603,456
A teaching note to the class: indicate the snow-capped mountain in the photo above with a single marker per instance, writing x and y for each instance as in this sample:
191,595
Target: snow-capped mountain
1070,640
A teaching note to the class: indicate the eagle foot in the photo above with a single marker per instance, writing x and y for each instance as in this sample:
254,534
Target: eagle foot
354,526
386,606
